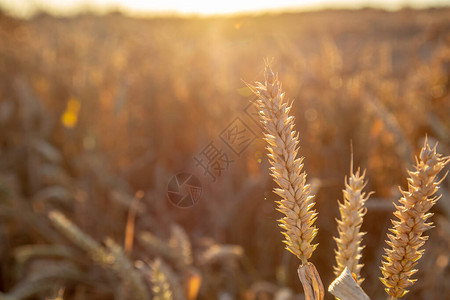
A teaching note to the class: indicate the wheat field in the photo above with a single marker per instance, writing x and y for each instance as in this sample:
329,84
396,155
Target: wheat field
177,157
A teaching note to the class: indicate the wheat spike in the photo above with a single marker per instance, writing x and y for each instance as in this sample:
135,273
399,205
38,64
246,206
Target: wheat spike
112,257
406,238
352,211
160,284
180,244
79,238
296,200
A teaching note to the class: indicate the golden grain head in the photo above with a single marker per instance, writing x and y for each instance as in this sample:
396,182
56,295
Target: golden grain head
352,211
296,202
406,237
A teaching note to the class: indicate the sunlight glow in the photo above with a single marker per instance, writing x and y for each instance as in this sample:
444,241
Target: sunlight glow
200,7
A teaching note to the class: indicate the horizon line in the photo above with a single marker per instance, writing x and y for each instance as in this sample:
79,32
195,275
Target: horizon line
100,10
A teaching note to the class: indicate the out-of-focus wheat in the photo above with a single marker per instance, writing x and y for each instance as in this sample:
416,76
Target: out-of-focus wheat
160,284
400,260
111,257
352,212
296,200
181,246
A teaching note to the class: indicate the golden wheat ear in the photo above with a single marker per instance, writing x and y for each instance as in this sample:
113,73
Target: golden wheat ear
160,284
352,211
412,213
296,202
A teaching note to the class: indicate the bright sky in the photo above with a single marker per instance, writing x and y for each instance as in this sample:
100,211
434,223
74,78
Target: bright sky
26,7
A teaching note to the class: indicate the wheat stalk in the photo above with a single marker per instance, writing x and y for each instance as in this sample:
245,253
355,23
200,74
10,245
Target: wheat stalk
346,287
112,257
352,211
401,258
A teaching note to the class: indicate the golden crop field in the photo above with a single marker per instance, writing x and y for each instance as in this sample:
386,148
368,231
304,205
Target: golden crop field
133,163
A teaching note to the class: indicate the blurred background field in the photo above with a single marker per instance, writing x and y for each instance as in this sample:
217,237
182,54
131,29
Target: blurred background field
98,113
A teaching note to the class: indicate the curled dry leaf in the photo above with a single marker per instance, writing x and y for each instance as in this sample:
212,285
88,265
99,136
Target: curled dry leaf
312,284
